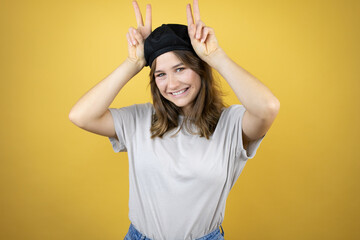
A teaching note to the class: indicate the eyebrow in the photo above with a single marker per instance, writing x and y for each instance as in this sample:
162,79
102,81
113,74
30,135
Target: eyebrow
177,65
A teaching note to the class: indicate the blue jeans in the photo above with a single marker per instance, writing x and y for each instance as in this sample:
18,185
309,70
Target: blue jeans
134,234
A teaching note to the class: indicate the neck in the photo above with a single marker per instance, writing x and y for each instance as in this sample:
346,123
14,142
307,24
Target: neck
186,110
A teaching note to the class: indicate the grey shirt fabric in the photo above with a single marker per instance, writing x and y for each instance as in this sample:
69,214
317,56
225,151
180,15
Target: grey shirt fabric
179,184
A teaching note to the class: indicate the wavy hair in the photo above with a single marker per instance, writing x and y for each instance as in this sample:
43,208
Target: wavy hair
206,109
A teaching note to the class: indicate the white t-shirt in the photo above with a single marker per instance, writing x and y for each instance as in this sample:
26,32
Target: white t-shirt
179,185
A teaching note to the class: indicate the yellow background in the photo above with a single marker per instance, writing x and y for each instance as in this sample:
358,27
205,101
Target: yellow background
60,182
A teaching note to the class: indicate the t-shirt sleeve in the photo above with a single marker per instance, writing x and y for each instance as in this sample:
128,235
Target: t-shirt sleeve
124,124
237,114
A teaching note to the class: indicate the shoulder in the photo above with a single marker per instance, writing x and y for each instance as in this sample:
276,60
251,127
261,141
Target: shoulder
142,108
136,108
233,111
132,112
231,116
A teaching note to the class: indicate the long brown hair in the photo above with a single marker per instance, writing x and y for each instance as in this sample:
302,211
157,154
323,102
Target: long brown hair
207,105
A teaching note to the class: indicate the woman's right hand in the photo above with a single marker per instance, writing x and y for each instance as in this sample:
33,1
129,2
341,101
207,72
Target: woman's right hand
136,37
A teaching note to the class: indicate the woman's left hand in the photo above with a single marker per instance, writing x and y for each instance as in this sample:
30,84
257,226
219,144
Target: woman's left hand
202,37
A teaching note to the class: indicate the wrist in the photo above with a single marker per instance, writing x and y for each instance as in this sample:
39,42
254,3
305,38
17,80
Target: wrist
135,65
216,58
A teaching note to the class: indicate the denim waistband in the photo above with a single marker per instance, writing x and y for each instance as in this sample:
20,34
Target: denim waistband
134,234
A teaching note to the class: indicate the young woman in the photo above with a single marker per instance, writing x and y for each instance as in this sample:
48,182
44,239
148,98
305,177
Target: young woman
186,150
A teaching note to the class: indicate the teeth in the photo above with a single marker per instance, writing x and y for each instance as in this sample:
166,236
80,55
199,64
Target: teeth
180,92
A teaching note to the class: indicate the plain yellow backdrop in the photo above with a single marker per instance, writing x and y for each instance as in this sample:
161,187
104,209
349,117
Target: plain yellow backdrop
60,182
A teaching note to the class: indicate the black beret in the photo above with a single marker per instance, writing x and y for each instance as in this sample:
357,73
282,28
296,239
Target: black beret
166,38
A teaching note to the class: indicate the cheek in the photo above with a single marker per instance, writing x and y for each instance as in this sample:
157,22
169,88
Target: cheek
194,78
187,77
160,85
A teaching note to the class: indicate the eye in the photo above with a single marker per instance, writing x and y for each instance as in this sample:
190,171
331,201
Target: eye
160,75
179,69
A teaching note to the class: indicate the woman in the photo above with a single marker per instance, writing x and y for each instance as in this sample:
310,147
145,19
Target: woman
186,150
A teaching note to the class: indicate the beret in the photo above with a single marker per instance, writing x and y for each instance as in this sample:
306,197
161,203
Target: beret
166,38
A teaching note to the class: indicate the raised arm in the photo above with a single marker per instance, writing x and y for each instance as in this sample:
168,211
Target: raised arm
91,111
261,105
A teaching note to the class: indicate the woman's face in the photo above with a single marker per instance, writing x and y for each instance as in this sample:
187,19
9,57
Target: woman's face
176,82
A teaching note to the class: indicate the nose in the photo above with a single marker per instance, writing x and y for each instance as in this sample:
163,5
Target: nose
173,83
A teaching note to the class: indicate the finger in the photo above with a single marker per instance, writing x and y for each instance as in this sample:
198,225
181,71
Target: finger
132,37
148,20
138,37
204,34
190,21
128,39
196,10
199,28
189,15
138,15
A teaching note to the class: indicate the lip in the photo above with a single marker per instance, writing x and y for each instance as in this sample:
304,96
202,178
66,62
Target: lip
182,94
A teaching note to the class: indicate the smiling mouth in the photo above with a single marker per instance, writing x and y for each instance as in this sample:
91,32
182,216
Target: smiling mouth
179,92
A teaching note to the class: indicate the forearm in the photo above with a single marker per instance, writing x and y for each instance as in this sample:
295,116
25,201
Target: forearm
254,95
93,104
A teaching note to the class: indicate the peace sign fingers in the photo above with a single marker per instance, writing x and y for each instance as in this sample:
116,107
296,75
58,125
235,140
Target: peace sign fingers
144,30
202,37
190,19
195,28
